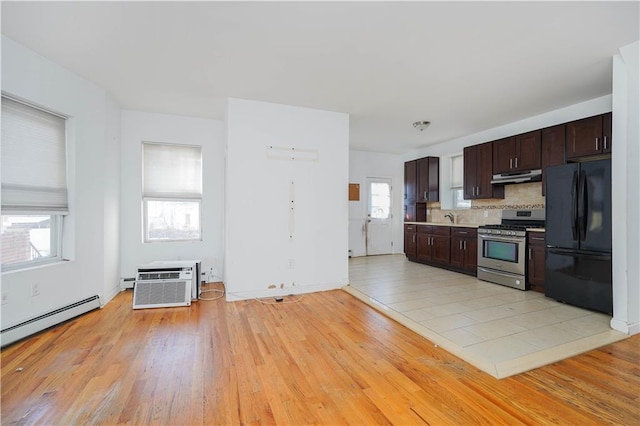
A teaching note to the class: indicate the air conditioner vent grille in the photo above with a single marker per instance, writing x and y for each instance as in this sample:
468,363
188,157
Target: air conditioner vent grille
156,294
145,276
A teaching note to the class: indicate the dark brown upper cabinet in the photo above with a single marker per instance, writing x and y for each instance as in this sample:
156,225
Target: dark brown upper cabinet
552,146
606,133
589,136
517,153
428,179
421,184
410,181
478,172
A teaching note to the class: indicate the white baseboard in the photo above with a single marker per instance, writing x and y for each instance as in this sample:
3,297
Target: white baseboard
233,296
624,327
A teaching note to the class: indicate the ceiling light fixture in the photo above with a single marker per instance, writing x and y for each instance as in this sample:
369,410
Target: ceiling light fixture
421,125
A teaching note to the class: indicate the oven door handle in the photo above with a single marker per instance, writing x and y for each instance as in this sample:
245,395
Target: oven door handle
504,274
500,238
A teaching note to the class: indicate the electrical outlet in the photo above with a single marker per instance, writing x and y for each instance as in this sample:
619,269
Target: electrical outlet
486,213
35,289
5,298
292,264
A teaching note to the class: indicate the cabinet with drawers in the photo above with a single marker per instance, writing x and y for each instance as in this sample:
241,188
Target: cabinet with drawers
464,249
449,247
535,260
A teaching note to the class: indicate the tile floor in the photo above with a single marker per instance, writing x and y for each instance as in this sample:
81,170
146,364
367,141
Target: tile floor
502,331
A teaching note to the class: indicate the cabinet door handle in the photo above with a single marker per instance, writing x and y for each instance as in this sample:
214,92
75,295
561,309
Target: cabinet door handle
596,144
465,244
529,254
516,162
473,190
460,244
604,143
477,190
510,163
414,238
425,195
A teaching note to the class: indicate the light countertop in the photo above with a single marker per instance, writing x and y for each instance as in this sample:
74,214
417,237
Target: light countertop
462,225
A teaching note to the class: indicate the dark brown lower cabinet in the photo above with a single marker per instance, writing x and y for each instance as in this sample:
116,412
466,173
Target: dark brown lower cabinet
410,243
464,249
535,260
453,248
433,244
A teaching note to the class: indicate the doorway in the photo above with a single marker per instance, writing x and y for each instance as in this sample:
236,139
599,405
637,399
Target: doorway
378,222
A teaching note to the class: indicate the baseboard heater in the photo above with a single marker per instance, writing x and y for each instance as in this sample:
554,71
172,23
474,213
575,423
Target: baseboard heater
27,328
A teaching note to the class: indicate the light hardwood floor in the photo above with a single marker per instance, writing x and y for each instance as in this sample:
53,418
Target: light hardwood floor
328,359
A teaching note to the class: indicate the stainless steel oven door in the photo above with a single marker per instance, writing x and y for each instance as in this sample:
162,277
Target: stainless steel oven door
506,254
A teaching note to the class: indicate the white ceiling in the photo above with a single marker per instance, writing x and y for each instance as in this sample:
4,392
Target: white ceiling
464,66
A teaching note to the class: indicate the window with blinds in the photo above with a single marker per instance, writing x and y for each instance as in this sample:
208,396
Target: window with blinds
456,183
34,184
171,191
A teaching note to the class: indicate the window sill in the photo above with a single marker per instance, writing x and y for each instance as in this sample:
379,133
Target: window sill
26,268
172,241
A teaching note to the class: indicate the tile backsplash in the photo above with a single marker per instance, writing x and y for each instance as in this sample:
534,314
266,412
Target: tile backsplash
518,196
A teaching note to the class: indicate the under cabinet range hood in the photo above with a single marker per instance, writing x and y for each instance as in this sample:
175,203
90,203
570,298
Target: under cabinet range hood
517,177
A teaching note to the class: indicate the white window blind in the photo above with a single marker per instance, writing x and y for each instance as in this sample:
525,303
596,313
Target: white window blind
34,173
171,171
457,167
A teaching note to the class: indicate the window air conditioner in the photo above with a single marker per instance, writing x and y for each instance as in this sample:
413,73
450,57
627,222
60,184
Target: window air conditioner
163,286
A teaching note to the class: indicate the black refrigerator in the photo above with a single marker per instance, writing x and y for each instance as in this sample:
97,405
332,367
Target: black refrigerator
578,235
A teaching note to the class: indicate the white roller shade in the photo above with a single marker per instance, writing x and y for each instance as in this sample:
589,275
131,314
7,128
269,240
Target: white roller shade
171,171
34,172
457,171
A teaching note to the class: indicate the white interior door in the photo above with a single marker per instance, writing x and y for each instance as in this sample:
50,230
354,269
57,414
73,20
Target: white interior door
378,222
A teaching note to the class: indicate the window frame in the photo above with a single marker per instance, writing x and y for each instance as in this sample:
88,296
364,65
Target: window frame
55,230
457,190
169,195
57,213
458,201
145,220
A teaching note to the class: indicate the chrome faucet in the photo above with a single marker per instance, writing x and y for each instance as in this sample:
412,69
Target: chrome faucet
450,216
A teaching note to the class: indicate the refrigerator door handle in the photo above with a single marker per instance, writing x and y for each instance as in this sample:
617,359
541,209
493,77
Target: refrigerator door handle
574,201
582,206
575,253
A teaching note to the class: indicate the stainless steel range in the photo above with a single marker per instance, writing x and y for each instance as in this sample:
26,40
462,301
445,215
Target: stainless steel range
502,248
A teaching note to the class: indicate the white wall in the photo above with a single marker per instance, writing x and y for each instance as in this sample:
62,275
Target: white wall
363,165
150,127
626,190
111,182
259,252
91,232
